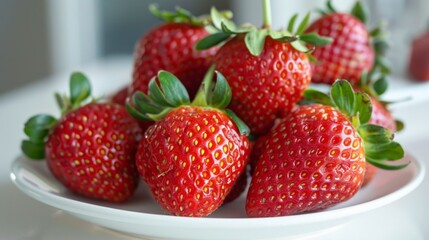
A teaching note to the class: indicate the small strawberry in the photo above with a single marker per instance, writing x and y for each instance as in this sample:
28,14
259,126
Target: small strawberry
418,66
194,153
267,70
91,148
315,157
120,97
170,47
350,53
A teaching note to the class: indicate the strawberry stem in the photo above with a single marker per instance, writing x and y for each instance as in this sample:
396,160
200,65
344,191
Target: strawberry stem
267,13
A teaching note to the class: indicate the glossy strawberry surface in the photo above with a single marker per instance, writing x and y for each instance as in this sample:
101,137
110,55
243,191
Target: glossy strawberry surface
170,47
312,160
191,158
264,87
91,151
348,55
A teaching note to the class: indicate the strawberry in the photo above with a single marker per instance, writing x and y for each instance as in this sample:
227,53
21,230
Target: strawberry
194,153
267,70
350,53
170,47
91,148
238,188
315,157
120,97
418,66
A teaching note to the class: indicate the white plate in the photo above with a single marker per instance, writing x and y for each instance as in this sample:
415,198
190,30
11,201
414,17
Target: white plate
143,217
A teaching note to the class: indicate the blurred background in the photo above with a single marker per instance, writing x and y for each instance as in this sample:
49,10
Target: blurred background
42,37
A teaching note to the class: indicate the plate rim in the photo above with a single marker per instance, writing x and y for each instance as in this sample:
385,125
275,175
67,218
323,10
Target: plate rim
73,206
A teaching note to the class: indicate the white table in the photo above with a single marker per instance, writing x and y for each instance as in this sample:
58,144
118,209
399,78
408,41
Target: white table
24,218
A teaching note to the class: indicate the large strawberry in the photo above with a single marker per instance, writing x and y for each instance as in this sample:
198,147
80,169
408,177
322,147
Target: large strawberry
194,153
170,47
350,54
267,70
315,157
91,148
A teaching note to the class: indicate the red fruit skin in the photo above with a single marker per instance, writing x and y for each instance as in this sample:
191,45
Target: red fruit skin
419,59
171,47
348,55
120,97
238,188
312,160
264,87
191,159
370,171
91,151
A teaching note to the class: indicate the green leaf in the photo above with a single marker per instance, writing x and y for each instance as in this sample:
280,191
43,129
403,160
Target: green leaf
399,125
300,46
315,39
282,36
33,150
222,93
212,40
363,107
156,94
80,89
375,134
136,114
360,12
144,104
303,25
291,25
386,151
343,96
383,165
217,18
330,7
255,41
380,86
174,91
39,126
316,96
242,127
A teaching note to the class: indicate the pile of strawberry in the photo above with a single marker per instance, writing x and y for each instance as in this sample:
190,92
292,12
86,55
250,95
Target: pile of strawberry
211,103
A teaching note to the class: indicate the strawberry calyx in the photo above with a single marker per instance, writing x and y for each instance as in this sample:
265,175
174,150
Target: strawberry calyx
255,38
380,149
38,127
184,16
166,92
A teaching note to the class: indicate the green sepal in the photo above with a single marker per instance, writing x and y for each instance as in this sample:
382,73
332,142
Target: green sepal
38,127
343,97
33,150
174,91
142,102
399,125
303,25
300,46
360,12
382,64
371,133
390,151
291,24
212,40
381,47
156,94
80,88
242,127
363,106
179,16
385,166
136,114
316,96
315,39
330,7
222,94
380,85
255,41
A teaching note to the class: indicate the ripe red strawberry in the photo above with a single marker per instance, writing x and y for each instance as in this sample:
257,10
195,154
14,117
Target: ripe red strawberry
238,188
267,70
170,47
349,54
315,157
120,97
194,153
419,58
91,148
